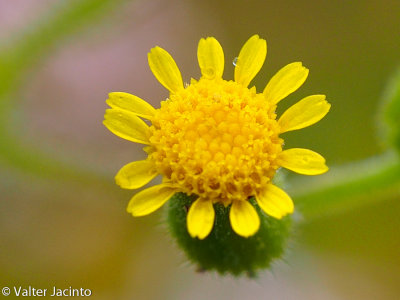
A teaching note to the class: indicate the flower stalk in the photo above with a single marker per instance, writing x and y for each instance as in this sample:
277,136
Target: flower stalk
348,187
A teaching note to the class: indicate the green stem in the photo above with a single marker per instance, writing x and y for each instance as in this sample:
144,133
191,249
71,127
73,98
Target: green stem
62,21
21,56
348,187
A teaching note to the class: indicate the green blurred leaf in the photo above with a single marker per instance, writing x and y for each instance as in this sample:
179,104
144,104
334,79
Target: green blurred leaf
28,47
66,18
348,187
390,113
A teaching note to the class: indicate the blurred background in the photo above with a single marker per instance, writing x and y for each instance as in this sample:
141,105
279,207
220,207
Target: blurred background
63,220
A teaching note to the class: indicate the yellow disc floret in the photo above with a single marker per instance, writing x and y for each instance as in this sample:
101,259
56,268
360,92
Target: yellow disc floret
216,139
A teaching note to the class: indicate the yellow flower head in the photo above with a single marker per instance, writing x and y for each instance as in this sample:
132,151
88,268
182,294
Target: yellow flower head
217,139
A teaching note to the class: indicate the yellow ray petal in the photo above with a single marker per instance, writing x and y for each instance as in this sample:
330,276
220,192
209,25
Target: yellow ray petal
275,202
136,174
306,112
126,125
200,218
165,69
286,81
303,161
250,60
149,200
244,218
130,103
211,58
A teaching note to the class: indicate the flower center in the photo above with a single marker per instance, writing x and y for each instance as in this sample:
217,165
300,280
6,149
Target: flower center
216,139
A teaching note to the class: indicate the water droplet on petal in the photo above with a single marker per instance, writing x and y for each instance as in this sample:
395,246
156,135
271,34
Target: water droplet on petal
235,60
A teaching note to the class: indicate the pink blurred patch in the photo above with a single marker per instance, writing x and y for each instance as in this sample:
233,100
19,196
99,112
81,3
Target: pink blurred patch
64,101
16,14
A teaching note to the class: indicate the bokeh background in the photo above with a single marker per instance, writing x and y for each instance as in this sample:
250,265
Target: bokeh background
62,219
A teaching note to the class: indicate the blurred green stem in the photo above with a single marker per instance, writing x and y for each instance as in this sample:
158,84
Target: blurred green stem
349,186
355,184
21,56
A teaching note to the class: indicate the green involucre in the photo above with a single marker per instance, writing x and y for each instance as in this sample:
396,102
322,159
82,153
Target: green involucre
223,250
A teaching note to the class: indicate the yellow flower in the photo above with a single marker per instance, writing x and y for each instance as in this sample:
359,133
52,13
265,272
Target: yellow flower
217,139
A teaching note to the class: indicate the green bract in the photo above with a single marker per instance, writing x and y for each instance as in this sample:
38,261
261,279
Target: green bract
223,250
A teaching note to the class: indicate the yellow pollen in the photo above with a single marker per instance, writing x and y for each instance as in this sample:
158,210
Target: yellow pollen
216,139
